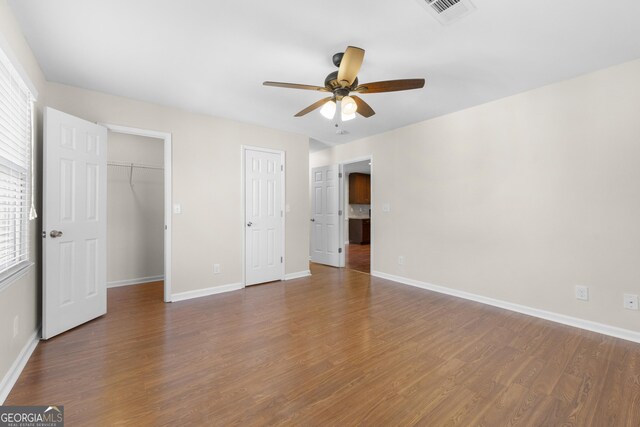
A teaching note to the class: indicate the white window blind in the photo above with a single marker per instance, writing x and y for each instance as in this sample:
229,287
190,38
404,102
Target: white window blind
16,107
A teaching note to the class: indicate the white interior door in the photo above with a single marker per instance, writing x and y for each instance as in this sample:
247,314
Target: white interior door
264,216
325,216
74,222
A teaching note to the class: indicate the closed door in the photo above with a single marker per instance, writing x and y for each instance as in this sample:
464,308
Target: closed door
325,216
264,216
74,222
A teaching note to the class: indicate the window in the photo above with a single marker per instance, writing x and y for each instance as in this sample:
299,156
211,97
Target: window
16,203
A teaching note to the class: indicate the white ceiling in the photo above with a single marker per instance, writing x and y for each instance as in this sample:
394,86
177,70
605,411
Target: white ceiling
212,56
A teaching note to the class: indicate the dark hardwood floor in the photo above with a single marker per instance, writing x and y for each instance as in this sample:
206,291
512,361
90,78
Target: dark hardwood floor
340,348
358,257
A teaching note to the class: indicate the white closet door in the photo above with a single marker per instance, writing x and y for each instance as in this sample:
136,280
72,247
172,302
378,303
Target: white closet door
263,217
74,222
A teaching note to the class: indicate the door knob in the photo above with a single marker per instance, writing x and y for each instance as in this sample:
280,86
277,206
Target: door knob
313,220
249,224
55,233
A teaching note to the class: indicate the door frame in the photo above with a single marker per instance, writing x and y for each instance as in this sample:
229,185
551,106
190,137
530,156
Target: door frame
168,161
343,207
243,191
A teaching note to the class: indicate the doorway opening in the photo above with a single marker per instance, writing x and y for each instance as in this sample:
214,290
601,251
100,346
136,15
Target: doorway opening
139,208
356,202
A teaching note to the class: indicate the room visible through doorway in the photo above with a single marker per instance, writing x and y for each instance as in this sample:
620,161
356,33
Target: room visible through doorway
357,218
135,210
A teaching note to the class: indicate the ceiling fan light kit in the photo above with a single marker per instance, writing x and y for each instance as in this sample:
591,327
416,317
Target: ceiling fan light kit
328,110
348,105
346,117
343,82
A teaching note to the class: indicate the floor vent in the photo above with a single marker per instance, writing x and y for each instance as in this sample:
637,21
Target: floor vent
448,11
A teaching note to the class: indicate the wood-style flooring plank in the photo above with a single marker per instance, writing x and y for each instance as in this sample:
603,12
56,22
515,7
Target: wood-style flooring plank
337,348
358,257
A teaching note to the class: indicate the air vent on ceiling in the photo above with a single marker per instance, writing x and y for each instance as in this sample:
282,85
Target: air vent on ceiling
448,11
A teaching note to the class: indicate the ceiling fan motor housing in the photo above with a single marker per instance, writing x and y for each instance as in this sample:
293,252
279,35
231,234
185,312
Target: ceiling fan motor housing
331,83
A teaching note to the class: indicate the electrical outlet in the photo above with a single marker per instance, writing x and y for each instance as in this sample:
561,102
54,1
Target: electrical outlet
216,268
177,208
582,293
401,260
386,207
16,326
630,302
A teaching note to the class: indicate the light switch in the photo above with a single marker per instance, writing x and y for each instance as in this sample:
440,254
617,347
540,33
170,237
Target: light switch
386,207
177,208
287,208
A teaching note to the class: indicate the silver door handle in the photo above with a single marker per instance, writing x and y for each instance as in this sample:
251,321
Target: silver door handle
55,233
249,224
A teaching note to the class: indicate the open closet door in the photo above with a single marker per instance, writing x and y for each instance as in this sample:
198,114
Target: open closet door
74,222
325,215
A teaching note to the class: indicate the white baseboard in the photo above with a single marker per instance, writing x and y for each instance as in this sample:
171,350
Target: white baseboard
18,365
138,281
589,325
206,292
297,275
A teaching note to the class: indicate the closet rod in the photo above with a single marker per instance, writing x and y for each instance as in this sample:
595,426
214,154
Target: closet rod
134,165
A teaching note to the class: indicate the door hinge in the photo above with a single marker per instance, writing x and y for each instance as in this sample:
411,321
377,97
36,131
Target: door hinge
281,214
339,250
340,213
339,174
282,168
281,260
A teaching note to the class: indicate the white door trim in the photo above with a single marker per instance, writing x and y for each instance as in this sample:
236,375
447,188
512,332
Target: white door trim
344,238
168,161
244,149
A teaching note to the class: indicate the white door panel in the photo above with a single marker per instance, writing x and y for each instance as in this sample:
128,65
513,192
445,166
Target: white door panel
74,262
263,217
325,245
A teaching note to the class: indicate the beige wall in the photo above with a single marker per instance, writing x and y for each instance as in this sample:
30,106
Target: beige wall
206,182
135,217
520,199
21,297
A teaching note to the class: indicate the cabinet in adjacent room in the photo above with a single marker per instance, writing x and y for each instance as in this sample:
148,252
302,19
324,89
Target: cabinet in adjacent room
359,189
359,231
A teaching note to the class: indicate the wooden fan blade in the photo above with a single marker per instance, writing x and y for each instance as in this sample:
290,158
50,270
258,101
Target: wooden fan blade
363,108
350,65
390,86
296,86
313,106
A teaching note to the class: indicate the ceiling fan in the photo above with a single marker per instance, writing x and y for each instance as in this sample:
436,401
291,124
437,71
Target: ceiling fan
343,82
